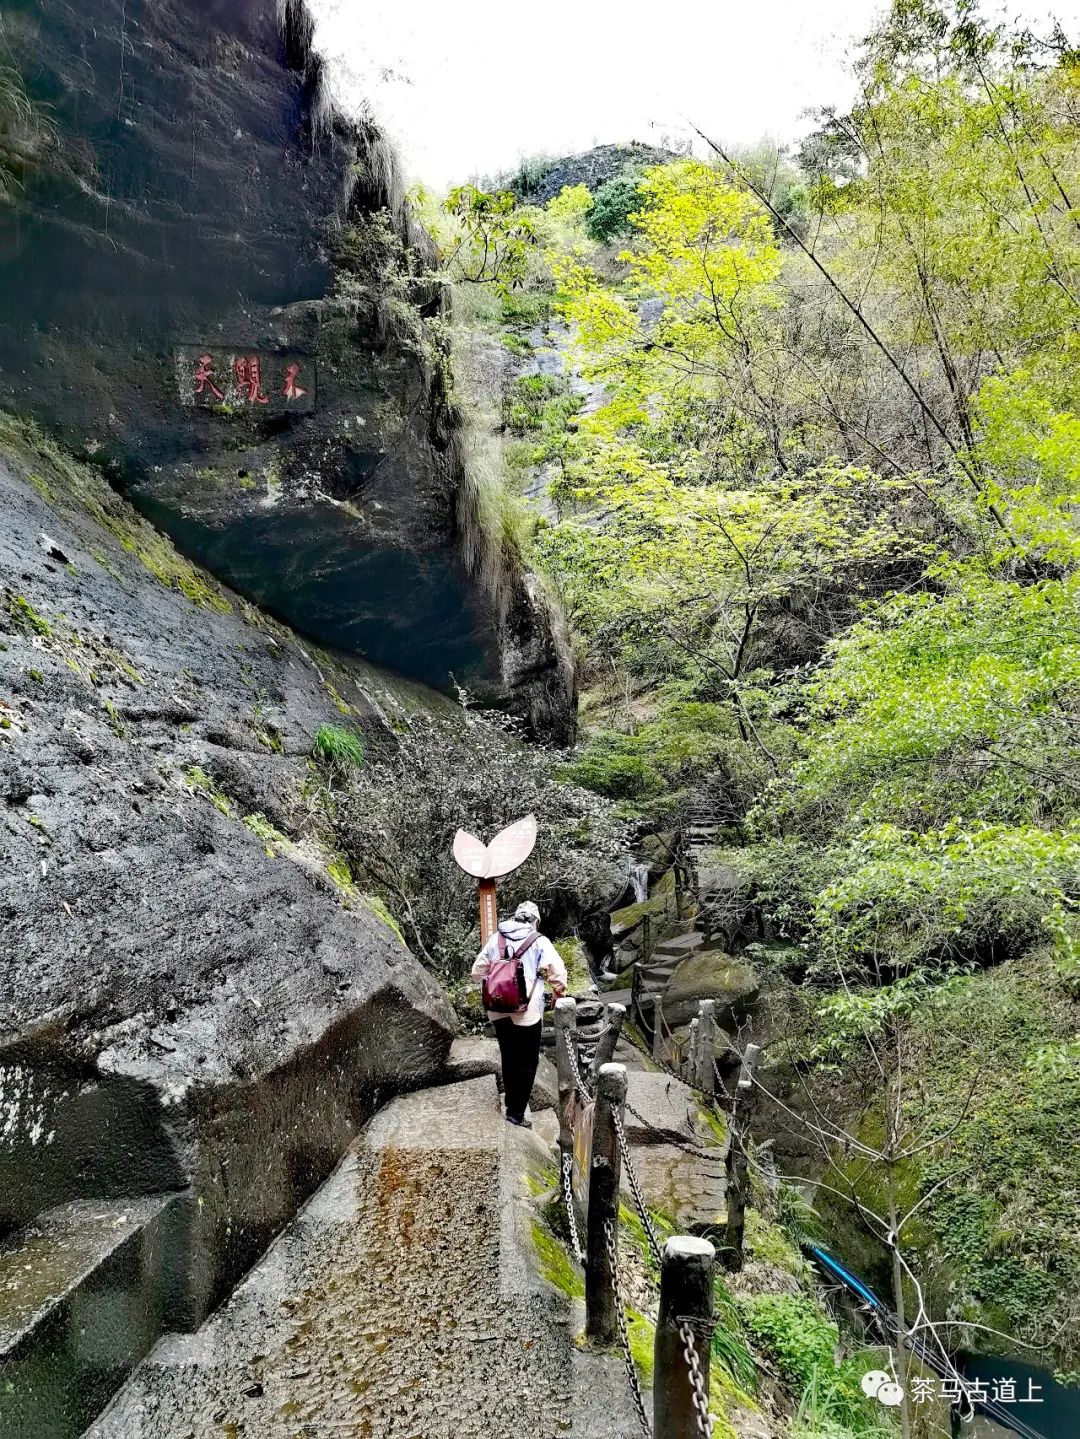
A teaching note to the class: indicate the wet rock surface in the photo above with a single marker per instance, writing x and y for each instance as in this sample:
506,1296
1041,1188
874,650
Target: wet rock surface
81,1301
403,1303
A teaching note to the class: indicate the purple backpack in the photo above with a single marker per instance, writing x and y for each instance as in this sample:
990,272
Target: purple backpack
503,989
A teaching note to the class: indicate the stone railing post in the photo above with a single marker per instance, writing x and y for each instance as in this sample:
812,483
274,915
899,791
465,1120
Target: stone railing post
605,1045
658,1027
686,1298
604,1171
704,1076
738,1136
565,1030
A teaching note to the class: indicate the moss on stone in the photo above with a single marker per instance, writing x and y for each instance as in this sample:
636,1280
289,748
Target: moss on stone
770,1244
70,481
273,840
337,869
574,955
199,780
623,920
380,911
555,1263
23,613
712,1123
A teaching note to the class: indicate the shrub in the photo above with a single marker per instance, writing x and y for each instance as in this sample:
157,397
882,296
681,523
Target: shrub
395,822
341,747
796,1334
613,205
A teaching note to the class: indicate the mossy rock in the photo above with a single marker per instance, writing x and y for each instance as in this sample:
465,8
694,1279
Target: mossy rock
575,956
711,974
625,919
665,885
658,852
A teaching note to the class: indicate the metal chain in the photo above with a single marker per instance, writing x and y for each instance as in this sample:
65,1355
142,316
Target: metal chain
709,1154
579,1083
635,1189
702,1416
575,1242
624,1336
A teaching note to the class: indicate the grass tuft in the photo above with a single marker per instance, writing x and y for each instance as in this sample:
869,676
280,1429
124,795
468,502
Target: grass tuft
334,745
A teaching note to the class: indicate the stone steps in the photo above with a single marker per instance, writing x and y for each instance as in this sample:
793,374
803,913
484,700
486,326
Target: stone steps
680,947
405,1300
661,1120
83,1291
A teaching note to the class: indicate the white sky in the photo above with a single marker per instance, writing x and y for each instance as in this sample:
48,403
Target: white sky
470,88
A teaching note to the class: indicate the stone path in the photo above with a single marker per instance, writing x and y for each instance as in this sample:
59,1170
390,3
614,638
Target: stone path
662,1117
403,1302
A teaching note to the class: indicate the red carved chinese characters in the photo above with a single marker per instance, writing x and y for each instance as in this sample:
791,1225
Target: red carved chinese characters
291,390
248,372
204,371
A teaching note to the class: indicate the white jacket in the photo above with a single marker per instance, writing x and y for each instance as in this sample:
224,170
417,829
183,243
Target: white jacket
541,958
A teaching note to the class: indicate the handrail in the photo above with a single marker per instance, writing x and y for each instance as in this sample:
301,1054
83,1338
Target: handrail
917,1345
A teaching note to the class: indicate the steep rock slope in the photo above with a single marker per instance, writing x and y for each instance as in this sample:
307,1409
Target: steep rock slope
188,1002
212,285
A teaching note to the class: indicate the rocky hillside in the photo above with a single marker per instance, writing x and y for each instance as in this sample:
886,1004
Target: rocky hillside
215,290
194,995
539,181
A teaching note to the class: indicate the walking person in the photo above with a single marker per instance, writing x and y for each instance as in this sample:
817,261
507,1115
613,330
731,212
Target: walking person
511,968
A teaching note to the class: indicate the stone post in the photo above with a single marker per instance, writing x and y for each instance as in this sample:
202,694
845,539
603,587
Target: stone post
739,1125
690,1064
604,1171
704,1076
565,1030
658,1027
605,1045
686,1293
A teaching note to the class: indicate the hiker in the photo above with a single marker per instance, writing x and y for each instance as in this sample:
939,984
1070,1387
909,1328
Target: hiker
512,967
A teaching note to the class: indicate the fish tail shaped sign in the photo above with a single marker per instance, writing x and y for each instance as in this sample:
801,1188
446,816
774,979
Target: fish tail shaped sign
509,849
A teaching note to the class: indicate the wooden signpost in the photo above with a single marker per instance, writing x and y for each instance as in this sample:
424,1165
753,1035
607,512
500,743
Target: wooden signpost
509,849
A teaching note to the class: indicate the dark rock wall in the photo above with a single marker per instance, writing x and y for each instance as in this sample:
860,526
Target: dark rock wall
188,1001
197,196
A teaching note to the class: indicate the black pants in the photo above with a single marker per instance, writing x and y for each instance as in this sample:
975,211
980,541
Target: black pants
519,1050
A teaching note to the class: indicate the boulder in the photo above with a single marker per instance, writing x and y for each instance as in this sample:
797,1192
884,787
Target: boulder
724,1051
658,852
710,974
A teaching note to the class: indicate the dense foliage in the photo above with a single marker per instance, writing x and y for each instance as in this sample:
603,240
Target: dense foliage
816,533
393,816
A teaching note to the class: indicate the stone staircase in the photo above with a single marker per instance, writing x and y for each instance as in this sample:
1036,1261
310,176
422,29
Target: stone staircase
83,1288
405,1301
652,976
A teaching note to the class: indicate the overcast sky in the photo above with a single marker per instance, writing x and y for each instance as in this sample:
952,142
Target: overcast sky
470,88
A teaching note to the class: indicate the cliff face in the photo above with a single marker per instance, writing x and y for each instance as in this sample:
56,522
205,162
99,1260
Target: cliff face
193,1000
213,288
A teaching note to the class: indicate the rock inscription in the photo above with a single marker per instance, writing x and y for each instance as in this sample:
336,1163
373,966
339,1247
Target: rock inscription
230,381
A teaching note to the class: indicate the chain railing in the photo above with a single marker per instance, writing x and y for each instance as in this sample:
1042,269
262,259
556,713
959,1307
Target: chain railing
686,1264
624,1333
579,1082
635,1190
571,1217
707,1154
700,1398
